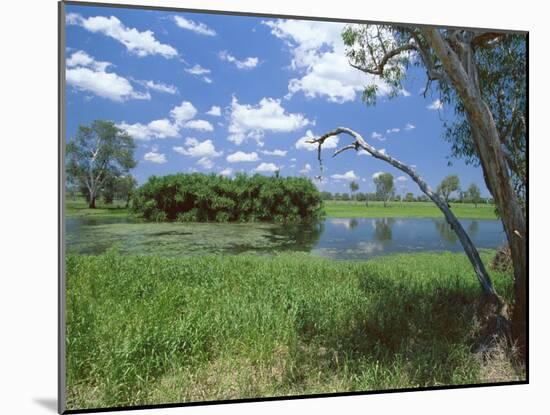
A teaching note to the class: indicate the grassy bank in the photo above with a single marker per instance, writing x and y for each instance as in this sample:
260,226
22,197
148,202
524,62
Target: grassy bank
79,207
145,330
335,209
352,209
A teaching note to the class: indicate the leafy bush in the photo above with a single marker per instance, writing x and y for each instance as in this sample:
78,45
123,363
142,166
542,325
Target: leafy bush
211,198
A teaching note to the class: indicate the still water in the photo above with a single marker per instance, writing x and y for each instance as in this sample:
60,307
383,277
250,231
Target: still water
335,238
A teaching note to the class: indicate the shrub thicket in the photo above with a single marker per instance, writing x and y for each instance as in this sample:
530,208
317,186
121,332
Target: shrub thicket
211,198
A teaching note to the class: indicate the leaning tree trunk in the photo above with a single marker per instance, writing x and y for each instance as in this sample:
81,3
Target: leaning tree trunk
462,70
467,244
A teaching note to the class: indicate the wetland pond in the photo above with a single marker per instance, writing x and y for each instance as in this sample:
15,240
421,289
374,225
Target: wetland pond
335,238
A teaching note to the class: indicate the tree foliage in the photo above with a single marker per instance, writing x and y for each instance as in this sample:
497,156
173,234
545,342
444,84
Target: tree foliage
205,198
121,188
473,194
448,186
503,85
99,153
388,50
384,186
353,186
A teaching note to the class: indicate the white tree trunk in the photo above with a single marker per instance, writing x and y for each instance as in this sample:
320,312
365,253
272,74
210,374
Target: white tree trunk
467,244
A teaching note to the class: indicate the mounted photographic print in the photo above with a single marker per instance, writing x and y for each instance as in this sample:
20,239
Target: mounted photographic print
271,207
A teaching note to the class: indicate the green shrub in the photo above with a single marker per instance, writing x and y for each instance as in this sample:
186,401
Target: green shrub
211,198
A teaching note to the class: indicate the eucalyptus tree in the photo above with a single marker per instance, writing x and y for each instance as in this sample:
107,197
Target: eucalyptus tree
97,154
473,193
481,73
385,188
448,185
353,187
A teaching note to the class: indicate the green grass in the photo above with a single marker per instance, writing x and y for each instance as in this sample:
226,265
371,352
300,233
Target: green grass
79,208
145,330
333,208
353,209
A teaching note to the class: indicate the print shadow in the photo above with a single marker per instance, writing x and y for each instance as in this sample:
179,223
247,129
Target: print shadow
49,403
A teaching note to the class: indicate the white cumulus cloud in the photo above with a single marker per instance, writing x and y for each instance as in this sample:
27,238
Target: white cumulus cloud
278,153
198,149
154,156
318,55
139,43
183,112
162,128
349,176
241,156
84,73
205,163
159,87
215,111
247,63
201,125
251,121
266,168
306,169
409,126
197,70
193,26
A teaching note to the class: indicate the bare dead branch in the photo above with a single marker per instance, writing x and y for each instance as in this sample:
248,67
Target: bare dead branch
469,248
350,147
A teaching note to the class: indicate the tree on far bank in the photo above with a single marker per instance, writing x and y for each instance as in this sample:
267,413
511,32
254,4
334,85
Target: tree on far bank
409,197
448,185
121,188
353,186
474,194
384,187
98,153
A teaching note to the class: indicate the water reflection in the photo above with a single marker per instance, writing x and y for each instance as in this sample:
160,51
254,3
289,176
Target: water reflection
382,229
473,227
447,233
338,238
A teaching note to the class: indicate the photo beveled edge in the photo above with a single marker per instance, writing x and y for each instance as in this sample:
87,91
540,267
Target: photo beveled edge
61,212
61,128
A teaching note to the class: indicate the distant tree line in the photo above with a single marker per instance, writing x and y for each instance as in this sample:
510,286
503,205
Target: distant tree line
449,189
213,198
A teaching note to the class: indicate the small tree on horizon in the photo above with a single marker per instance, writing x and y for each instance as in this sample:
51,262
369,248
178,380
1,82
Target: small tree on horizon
474,194
353,186
448,185
384,186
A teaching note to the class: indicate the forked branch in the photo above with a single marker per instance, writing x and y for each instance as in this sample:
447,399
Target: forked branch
359,143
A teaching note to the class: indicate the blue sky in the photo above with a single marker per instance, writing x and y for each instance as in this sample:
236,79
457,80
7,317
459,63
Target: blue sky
222,94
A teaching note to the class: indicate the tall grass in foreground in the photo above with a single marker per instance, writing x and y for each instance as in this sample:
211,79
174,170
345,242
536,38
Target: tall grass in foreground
145,330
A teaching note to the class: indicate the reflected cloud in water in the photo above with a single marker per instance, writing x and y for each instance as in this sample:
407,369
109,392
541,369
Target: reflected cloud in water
335,238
